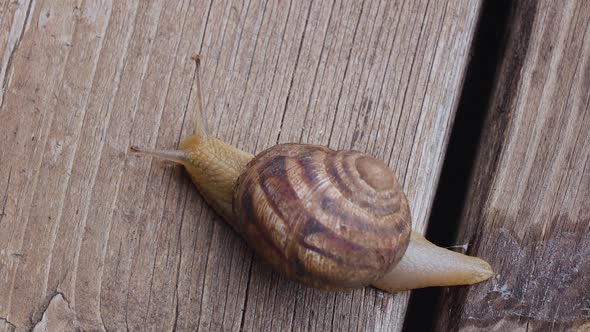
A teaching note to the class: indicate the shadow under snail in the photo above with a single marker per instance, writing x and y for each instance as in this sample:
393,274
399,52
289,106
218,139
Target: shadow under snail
329,219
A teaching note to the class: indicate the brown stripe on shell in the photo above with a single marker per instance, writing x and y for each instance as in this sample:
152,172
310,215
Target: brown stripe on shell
267,234
325,202
336,244
273,181
330,207
332,171
248,225
304,162
356,267
365,233
288,210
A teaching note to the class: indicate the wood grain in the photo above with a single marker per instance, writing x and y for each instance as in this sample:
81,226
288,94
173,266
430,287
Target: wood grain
528,210
93,238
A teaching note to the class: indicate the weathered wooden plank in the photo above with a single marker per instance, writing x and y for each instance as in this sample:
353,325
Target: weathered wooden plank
528,210
95,239
23,157
13,18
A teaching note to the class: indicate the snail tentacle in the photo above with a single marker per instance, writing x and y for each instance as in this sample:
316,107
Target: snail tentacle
179,157
201,121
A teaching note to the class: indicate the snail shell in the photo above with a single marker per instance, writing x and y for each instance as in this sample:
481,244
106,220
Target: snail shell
330,219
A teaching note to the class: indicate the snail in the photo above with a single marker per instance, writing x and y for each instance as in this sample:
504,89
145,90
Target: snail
329,219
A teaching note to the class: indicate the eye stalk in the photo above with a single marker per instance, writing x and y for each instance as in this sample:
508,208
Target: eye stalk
201,121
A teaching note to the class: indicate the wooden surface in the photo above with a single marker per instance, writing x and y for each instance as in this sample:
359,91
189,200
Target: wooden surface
527,210
93,238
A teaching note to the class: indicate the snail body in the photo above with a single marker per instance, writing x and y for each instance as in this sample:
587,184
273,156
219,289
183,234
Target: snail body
329,219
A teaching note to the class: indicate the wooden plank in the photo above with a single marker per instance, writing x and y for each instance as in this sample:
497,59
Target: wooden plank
93,238
13,17
528,212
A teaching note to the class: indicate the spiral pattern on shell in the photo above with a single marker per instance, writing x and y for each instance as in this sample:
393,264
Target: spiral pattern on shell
330,219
